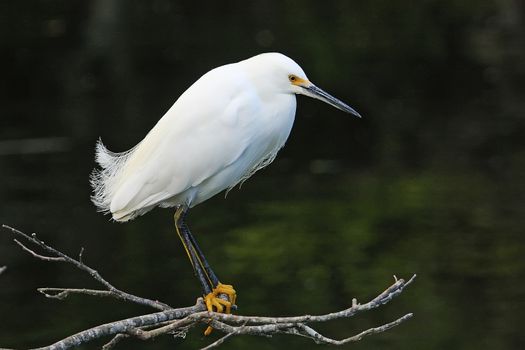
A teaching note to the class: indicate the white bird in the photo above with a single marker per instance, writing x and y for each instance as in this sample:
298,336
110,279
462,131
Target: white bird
230,123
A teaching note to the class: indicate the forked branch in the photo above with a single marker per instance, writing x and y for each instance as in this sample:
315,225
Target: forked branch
179,321
57,256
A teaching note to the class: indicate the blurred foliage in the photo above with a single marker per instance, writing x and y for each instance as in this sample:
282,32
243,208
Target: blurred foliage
429,182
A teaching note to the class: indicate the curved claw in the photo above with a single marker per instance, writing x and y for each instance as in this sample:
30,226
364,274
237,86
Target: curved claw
215,303
228,290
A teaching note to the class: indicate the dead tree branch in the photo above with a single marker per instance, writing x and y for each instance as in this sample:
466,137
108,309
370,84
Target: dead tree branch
57,256
178,321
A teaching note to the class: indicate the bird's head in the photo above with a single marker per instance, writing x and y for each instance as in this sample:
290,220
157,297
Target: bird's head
287,76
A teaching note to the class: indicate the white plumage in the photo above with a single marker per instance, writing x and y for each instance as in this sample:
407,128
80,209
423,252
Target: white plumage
222,129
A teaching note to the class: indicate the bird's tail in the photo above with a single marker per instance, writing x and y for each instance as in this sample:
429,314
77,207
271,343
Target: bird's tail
105,180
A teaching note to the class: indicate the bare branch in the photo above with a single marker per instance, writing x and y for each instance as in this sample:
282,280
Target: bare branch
235,324
114,341
177,322
309,332
124,326
58,256
218,342
80,255
38,256
63,293
178,326
137,332
383,298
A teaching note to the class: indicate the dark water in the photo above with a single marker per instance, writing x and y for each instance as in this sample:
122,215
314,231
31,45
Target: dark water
431,181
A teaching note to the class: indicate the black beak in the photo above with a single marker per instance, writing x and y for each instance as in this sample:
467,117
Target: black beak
320,94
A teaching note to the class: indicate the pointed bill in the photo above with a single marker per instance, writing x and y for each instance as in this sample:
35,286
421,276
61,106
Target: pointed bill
320,94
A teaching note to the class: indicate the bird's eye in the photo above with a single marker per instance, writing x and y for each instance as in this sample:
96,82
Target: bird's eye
292,78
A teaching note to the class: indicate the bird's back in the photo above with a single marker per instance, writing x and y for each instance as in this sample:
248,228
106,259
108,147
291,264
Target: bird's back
217,133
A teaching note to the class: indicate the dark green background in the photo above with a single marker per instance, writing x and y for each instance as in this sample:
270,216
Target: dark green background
430,181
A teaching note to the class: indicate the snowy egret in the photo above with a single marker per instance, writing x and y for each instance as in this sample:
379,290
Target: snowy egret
222,129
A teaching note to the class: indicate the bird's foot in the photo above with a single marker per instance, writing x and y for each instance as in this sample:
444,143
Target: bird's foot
221,299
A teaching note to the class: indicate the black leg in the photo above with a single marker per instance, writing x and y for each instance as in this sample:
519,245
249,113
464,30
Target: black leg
202,259
198,269
218,297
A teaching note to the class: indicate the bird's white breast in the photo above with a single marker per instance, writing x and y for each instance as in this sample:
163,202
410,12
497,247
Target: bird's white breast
256,129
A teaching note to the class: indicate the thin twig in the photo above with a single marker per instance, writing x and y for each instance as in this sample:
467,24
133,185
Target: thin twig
38,256
218,342
61,257
320,339
80,255
114,341
63,293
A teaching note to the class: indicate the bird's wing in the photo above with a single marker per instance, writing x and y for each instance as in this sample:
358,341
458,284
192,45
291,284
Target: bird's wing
196,139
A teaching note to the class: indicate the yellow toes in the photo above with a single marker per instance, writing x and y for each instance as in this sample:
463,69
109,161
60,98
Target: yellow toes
208,331
228,290
215,303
